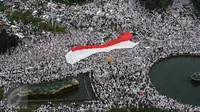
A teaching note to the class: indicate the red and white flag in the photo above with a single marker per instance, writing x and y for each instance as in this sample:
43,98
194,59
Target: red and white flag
80,52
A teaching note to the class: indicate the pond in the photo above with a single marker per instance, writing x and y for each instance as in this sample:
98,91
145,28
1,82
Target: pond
171,77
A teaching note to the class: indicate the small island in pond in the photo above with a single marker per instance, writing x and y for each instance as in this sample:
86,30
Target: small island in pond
46,89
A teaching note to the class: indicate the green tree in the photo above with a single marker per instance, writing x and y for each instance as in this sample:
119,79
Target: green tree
70,2
196,4
156,4
1,93
27,18
7,42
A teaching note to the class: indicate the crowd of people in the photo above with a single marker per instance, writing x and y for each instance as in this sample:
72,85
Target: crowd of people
125,81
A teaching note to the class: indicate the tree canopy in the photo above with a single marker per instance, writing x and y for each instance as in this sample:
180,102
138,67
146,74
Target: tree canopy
7,42
1,93
196,4
69,2
39,23
155,4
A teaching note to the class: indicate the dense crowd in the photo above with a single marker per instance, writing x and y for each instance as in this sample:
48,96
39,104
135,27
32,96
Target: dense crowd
124,82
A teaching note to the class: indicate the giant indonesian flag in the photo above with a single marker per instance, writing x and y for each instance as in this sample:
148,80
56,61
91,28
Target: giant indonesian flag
80,52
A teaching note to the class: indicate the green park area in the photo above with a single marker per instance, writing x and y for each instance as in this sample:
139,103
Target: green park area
27,17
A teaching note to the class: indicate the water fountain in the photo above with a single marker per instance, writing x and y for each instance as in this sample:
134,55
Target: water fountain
196,76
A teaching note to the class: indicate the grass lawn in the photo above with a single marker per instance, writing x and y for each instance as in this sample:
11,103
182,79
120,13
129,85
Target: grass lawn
28,109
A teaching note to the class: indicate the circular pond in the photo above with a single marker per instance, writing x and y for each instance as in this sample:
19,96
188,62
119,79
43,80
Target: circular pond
171,77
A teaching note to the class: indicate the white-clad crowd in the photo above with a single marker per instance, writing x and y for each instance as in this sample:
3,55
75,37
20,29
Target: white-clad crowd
124,82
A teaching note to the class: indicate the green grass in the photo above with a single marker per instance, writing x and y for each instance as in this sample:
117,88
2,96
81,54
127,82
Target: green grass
27,109
27,17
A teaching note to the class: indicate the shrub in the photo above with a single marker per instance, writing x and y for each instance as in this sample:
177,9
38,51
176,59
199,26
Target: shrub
155,4
196,4
7,42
